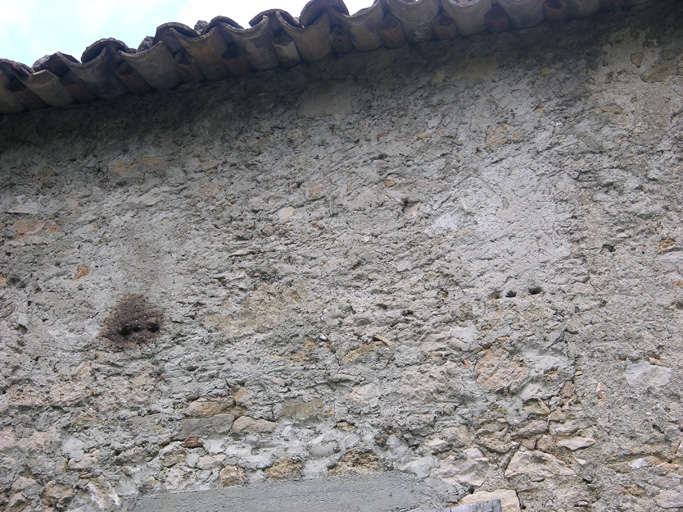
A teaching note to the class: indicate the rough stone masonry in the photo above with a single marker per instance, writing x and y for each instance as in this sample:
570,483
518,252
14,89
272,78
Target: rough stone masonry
456,263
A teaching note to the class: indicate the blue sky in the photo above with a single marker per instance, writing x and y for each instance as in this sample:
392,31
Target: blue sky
30,29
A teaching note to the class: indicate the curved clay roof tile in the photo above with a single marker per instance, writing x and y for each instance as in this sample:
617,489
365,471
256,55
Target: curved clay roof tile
99,73
207,51
362,28
312,41
180,54
155,65
469,15
316,8
415,17
255,42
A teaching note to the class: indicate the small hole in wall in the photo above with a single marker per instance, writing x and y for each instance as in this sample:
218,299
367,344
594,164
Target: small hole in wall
511,294
494,295
535,290
607,248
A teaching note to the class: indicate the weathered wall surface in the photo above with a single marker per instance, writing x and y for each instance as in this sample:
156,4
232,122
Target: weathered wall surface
458,261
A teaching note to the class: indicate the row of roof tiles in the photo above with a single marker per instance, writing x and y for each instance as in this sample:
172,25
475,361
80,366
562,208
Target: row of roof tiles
222,48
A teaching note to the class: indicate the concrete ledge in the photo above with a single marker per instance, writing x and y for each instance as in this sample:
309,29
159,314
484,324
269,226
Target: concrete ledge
378,492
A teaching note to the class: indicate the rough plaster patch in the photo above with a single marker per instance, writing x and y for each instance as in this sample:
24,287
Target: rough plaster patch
644,374
323,100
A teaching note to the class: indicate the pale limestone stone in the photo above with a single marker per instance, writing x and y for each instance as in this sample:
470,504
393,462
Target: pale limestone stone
17,502
232,475
219,424
133,455
103,494
284,467
247,424
58,495
88,460
300,410
243,396
536,406
458,436
355,461
22,483
576,443
496,445
209,462
531,428
173,458
74,390
498,371
7,441
366,394
644,375
469,471
38,441
670,498
286,213
436,445
420,467
508,499
206,409
314,190
536,465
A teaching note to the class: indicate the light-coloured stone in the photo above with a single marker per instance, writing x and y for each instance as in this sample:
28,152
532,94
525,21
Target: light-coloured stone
23,483
58,495
17,502
508,499
286,213
469,471
498,371
219,424
88,460
643,375
284,467
208,462
355,461
206,409
314,190
258,426
536,465
173,458
536,406
300,409
436,445
576,443
232,475
531,428
670,498
103,494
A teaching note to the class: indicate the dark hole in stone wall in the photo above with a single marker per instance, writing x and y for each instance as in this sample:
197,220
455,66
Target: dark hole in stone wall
133,321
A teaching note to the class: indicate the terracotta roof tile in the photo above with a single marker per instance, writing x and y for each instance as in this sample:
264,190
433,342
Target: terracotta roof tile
222,48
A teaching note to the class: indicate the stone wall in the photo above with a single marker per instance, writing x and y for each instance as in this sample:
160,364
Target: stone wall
457,261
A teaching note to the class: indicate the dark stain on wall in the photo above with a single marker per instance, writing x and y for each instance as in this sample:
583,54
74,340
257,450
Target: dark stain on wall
133,321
